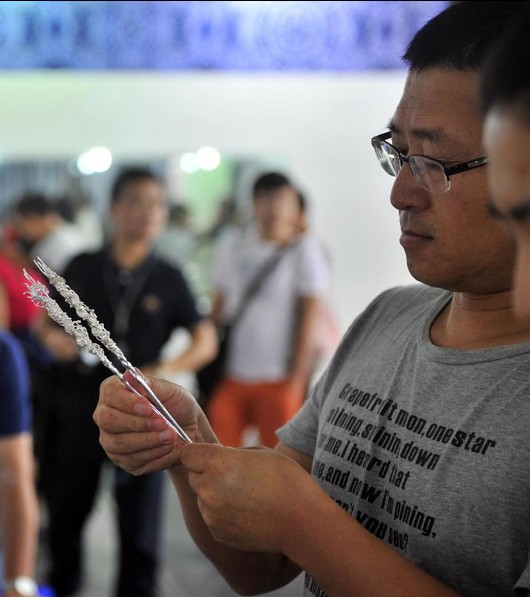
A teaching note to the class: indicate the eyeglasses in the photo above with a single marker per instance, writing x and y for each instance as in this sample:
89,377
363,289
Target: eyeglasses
431,174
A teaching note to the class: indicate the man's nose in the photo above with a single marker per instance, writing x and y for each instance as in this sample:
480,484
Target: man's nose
407,193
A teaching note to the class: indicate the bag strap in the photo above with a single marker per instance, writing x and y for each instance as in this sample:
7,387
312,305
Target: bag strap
257,281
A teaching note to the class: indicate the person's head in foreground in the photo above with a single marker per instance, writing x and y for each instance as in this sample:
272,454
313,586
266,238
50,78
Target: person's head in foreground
505,97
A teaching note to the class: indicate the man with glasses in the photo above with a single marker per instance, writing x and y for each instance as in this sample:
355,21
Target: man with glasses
433,175
407,471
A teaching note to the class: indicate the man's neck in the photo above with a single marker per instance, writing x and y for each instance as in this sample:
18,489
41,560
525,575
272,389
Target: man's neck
279,235
128,254
478,321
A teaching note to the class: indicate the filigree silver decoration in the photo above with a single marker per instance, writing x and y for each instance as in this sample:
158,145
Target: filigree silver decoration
39,294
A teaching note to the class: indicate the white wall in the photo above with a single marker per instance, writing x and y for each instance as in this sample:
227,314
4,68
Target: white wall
323,124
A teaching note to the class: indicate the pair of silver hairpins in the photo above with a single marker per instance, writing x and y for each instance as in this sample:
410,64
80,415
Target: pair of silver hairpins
39,294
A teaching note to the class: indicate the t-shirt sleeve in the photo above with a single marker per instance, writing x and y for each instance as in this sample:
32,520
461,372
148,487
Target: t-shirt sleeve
313,268
301,432
15,410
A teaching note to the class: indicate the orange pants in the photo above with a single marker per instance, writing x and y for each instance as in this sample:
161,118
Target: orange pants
237,405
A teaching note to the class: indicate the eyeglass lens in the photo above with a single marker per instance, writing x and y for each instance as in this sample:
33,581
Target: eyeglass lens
428,173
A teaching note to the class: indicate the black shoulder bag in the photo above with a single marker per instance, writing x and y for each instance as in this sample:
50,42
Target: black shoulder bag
209,376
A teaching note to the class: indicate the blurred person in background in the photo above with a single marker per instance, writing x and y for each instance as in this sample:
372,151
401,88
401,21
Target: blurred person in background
19,313
141,299
228,220
19,514
43,232
271,351
20,316
79,211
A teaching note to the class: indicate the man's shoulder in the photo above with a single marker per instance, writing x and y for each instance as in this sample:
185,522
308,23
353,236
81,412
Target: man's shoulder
164,268
85,258
228,250
311,245
84,264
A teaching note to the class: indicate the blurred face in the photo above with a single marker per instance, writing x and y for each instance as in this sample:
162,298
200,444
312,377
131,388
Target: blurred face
140,211
507,142
451,240
31,229
277,213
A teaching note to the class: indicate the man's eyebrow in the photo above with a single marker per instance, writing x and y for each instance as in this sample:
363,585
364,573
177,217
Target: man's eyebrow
435,136
518,213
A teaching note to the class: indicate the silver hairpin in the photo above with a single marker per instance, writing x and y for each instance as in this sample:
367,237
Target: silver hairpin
39,294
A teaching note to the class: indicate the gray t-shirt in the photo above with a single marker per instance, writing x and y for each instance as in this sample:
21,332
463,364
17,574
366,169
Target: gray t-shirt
426,447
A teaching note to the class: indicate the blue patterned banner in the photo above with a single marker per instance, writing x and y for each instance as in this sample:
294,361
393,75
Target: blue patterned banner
205,35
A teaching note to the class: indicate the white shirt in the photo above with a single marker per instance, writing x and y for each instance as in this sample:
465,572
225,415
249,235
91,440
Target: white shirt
59,247
261,343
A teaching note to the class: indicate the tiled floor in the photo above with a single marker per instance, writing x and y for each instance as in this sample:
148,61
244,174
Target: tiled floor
186,572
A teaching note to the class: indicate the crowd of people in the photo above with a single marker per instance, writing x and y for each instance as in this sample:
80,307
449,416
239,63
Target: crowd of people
403,469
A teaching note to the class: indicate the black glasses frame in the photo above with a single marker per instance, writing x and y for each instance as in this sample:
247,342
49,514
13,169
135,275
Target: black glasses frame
448,170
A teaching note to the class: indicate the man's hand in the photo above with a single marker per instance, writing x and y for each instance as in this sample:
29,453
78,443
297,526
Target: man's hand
137,438
248,498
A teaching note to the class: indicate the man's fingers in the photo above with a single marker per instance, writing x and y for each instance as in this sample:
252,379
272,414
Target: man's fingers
117,421
146,461
132,443
114,394
197,457
120,411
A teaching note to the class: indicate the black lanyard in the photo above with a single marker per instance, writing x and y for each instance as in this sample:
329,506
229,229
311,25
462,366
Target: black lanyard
123,287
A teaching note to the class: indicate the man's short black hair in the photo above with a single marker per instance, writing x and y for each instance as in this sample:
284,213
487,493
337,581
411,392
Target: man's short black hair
270,181
130,176
461,35
34,204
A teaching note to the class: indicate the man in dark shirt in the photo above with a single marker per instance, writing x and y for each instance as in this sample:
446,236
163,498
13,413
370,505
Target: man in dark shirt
141,300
